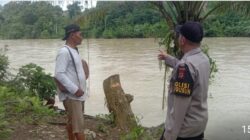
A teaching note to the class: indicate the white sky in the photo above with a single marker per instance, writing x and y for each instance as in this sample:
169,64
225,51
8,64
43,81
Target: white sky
2,2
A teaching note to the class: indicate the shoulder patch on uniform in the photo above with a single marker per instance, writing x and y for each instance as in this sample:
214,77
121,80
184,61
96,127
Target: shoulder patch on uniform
183,84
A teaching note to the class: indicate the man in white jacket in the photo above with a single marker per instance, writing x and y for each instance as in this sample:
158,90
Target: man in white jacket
70,74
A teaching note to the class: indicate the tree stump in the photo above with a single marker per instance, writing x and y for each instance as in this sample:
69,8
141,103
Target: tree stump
118,103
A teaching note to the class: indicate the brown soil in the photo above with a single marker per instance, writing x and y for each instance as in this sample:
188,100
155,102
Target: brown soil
54,129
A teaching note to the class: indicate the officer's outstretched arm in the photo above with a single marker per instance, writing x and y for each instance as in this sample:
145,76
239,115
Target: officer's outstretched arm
171,61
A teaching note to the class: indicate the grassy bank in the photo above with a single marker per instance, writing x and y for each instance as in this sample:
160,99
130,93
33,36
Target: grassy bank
20,108
24,116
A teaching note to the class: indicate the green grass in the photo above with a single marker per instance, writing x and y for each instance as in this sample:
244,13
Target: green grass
19,107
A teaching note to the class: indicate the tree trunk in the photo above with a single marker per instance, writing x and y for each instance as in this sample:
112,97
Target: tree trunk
118,103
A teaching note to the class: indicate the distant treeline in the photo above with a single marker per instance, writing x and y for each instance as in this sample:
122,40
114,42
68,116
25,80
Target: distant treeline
141,19
21,20
123,20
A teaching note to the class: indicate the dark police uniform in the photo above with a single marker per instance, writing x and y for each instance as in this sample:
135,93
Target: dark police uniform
187,113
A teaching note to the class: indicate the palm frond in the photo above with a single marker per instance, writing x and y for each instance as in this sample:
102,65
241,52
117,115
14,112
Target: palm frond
170,8
201,8
167,16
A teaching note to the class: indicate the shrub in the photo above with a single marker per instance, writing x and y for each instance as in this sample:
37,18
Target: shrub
33,78
3,66
20,107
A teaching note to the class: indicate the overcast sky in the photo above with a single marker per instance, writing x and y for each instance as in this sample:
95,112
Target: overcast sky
2,2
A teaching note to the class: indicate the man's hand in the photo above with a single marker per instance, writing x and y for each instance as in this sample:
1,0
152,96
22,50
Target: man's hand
79,93
162,55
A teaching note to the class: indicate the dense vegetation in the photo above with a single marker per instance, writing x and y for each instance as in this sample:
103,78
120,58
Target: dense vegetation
32,20
228,24
20,20
141,19
22,96
123,19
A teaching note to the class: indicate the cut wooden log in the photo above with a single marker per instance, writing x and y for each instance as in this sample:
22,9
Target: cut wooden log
118,103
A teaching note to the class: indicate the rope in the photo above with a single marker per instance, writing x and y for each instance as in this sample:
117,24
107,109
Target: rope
88,88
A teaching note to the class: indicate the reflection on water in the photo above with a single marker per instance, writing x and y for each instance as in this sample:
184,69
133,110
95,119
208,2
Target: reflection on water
136,62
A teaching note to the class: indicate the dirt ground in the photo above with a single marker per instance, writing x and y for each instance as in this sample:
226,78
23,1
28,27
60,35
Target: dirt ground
55,130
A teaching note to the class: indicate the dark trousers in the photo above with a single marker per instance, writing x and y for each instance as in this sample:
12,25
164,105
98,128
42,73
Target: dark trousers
200,137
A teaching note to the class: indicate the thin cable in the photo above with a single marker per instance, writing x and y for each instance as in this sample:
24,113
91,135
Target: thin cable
88,88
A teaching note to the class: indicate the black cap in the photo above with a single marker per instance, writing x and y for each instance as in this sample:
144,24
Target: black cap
70,29
191,30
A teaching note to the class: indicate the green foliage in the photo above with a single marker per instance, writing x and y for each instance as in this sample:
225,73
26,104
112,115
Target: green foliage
30,77
4,130
213,66
229,24
123,20
106,119
18,104
32,109
136,132
20,107
3,66
109,118
102,128
74,9
31,20
33,78
140,20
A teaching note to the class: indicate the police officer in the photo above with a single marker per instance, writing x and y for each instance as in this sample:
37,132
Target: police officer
187,113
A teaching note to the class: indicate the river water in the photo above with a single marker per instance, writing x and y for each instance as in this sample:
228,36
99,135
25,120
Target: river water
135,60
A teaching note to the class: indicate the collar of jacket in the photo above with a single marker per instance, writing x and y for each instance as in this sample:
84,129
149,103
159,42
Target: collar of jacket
192,52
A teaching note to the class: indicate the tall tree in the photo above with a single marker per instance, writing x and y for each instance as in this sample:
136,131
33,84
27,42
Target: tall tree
31,20
74,9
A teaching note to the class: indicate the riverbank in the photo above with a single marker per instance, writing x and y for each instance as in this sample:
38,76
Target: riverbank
96,128
24,116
